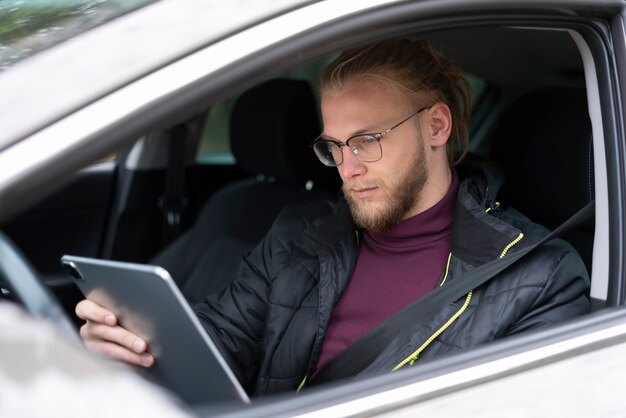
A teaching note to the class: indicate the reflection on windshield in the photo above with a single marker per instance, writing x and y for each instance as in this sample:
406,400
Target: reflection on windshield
28,26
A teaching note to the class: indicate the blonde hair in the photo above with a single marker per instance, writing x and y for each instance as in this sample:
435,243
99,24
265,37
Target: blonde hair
417,70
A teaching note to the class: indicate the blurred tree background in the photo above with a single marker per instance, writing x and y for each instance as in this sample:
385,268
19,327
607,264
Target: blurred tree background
29,26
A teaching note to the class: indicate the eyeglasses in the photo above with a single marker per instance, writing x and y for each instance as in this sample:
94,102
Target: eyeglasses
365,147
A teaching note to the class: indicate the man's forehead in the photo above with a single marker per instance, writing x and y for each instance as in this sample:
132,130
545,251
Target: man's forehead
364,107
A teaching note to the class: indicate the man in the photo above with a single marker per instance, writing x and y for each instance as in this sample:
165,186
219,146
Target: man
395,123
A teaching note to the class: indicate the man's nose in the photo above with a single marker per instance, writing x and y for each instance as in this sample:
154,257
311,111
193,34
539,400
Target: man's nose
351,166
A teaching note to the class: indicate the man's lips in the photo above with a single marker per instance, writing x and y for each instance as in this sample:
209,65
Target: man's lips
362,192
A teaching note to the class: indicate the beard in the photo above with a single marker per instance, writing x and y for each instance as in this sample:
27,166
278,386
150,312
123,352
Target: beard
399,198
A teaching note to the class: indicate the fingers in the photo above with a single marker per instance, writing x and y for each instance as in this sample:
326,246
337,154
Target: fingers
90,311
120,353
102,334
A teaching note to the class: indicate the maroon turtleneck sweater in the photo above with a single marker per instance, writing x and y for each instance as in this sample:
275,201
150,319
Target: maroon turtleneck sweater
393,269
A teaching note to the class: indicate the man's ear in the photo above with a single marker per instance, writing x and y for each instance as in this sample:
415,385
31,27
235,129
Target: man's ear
440,124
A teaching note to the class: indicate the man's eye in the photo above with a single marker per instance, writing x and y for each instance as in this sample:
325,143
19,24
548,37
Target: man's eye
366,140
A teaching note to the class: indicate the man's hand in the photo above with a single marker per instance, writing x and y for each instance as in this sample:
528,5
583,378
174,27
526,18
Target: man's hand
103,335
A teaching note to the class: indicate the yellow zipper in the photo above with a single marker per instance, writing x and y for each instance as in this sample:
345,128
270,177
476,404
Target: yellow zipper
508,247
493,208
415,355
445,276
301,385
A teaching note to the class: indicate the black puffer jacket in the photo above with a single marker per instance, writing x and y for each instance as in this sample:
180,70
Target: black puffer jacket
272,319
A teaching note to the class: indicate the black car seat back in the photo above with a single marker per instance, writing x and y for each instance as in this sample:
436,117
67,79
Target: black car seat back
271,126
544,143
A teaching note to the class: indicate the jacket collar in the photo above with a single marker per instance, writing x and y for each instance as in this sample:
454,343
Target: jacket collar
478,235
334,229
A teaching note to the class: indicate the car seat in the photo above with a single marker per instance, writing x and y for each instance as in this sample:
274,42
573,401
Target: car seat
271,126
544,143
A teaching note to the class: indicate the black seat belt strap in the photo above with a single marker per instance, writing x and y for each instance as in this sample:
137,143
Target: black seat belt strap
173,202
364,351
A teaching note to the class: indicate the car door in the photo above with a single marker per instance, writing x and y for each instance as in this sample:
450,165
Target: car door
71,221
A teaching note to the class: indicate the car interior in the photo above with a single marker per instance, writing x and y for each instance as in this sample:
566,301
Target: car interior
194,196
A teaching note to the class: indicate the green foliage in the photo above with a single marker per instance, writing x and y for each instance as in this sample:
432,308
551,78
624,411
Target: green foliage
22,21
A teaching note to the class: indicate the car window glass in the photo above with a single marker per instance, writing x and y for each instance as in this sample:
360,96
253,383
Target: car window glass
478,86
29,26
214,145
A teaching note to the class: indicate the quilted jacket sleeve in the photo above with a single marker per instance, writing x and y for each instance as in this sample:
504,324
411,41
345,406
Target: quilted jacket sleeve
563,295
236,318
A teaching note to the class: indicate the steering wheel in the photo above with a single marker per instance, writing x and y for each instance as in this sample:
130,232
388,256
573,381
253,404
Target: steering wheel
19,277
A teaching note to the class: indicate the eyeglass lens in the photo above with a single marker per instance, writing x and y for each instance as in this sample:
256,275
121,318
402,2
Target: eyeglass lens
366,148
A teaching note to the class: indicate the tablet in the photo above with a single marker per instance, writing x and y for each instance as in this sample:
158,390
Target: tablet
148,303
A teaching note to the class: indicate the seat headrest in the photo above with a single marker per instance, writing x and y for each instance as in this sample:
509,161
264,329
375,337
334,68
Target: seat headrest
271,127
544,143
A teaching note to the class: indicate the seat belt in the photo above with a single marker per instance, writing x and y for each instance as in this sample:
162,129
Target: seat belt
173,201
364,351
